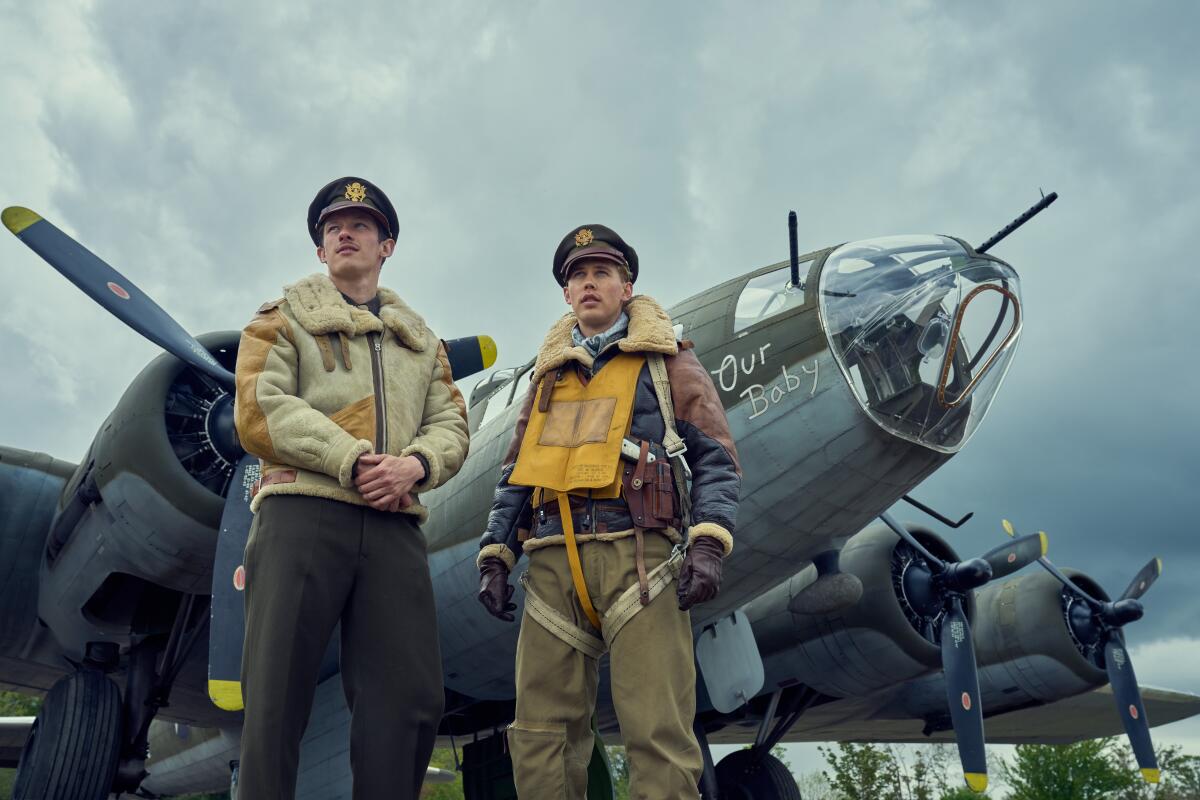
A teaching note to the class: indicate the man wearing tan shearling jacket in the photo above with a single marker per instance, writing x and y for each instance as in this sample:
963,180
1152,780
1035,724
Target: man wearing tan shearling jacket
347,399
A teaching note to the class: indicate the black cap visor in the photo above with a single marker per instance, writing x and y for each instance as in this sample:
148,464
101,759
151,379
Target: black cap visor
346,205
598,251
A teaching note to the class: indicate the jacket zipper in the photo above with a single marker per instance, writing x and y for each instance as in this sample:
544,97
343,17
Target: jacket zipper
380,400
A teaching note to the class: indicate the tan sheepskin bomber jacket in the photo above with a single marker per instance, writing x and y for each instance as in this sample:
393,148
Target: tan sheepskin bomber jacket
320,382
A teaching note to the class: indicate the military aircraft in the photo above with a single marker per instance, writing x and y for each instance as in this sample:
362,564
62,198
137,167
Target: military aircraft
849,374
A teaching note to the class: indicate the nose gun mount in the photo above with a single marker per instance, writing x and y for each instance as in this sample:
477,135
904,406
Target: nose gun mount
924,329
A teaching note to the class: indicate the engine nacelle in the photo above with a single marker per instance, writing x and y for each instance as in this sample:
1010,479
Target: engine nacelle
137,522
878,642
1027,658
1027,648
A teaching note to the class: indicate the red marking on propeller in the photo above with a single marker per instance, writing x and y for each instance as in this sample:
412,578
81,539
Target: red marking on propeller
966,701
118,290
1133,712
239,578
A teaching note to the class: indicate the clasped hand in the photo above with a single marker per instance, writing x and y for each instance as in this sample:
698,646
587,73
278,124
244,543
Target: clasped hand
385,481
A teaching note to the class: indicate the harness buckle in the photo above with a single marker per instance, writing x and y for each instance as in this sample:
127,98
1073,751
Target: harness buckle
687,471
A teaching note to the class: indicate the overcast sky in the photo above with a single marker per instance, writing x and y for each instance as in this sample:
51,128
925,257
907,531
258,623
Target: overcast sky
183,142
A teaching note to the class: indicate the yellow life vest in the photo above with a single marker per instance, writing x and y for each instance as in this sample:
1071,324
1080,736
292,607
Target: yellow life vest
572,445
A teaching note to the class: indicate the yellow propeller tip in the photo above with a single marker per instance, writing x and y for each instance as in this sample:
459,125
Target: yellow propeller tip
226,694
487,350
1008,527
977,782
1159,562
1045,542
1150,775
17,219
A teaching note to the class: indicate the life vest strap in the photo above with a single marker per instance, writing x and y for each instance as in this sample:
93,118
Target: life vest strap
568,526
626,608
640,560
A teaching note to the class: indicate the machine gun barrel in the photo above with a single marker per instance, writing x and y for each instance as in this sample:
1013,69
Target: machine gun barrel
1033,211
795,253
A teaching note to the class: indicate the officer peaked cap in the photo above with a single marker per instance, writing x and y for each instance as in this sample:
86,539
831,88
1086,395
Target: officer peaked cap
351,192
593,241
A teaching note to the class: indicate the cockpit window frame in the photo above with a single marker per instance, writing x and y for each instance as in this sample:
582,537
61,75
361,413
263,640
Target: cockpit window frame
506,389
815,260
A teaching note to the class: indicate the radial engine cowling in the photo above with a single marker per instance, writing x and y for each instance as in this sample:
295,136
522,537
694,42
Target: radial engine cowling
880,641
139,517
1038,641
1035,644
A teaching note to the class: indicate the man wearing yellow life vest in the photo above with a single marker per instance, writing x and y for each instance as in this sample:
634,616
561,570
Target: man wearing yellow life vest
618,419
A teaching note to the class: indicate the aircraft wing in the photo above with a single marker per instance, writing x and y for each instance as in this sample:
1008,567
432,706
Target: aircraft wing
1084,716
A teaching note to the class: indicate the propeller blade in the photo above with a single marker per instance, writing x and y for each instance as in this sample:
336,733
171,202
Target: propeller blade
962,690
1014,555
1053,570
111,290
469,355
1129,705
1142,582
899,530
228,622
1070,584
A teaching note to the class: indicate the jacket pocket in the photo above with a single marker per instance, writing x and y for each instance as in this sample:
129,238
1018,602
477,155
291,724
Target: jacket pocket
357,419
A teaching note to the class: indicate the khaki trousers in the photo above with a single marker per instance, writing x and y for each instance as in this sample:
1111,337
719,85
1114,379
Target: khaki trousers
311,562
653,682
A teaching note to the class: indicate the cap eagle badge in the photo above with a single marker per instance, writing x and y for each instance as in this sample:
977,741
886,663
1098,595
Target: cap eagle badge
583,237
355,192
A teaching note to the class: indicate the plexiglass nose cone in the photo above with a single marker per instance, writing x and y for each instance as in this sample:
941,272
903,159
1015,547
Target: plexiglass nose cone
924,332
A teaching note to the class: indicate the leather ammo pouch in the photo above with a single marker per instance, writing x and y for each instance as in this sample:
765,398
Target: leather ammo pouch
653,505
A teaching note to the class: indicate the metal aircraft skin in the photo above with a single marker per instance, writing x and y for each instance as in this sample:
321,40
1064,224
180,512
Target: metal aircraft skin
844,390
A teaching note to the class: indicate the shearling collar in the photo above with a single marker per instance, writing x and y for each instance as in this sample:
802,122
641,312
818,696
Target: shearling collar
320,309
650,331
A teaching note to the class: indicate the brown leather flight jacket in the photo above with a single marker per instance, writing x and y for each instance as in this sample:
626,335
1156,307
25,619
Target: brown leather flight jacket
515,526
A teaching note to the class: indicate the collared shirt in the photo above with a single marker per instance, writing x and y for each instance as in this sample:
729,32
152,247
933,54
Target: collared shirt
594,344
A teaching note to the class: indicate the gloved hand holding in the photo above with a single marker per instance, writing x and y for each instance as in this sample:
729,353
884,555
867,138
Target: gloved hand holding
700,575
495,592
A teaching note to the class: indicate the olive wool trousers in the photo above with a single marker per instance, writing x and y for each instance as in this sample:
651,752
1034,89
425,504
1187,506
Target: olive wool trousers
653,678
310,563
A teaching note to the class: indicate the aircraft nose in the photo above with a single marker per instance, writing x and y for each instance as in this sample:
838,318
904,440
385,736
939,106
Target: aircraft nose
924,330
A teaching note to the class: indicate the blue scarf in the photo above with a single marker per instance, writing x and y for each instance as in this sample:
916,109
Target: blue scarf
594,344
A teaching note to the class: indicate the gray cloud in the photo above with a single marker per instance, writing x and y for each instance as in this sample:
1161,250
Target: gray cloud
183,144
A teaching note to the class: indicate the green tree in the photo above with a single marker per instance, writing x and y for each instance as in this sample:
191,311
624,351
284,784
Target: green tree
962,793
618,763
923,776
1181,778
14,704
1088,770
1180,775
862,771
815,786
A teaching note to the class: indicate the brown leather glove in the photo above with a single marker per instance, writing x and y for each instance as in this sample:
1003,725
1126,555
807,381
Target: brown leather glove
700,575
495,592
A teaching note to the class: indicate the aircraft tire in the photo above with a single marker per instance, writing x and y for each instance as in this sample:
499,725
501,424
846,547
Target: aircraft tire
740,777
73,747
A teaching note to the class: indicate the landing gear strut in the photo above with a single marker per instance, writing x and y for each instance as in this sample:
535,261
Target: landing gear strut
755,774
86,742
149,683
